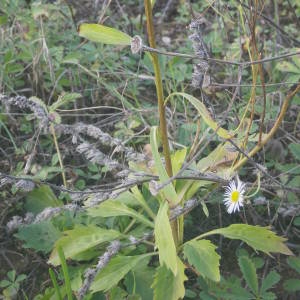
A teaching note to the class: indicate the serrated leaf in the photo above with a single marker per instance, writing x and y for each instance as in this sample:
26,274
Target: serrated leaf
40,237
164,239
39,102
294,262
168,286
113,208
249,272
80,239
168,190
115,270
269,281
103,34
204,113
202,255
257,237
292,285
64,99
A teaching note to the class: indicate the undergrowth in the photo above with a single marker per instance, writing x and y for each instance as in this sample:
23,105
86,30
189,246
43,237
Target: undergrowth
150,152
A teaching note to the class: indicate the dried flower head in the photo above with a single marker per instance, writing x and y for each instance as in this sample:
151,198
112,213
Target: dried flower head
136,44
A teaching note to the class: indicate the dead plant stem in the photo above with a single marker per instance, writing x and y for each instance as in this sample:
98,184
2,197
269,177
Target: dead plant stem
271,133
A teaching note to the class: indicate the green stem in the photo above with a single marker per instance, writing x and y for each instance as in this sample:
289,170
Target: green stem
58,155
65,273
161,109
55,284
159,89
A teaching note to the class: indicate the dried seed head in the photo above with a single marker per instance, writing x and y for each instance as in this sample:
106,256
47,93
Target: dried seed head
136,44
25,185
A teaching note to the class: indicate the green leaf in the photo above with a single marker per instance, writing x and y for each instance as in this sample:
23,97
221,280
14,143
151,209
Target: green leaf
39,102
204,208
269,281
268,296
115,270
47,173
202,255
11,275
21,277
295,150
39,10
177,159
294,262
169,190
164,239
103,34
168,286
40,198
79,239
64,99
4,283
152,2
249,272
204,113
115,293
139,280
296,221
259,238
292,285
55,284
40,237
65,270
113,208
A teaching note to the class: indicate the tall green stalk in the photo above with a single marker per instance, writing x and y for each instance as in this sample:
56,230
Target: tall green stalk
161,107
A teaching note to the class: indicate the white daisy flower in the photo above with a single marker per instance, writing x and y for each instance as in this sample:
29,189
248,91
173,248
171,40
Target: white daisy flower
234,196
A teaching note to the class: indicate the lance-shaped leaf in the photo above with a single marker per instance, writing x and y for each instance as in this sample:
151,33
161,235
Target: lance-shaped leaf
168,286
168,190
80,239
114,208
103,34
164,239
202,255
257,237
204,113
115,270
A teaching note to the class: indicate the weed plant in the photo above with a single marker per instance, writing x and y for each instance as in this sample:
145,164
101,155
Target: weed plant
145,170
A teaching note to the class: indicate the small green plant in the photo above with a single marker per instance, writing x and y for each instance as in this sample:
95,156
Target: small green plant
292,285
129,236
11,285
249,287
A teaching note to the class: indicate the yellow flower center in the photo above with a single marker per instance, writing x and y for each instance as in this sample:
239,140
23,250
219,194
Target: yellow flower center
235,196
